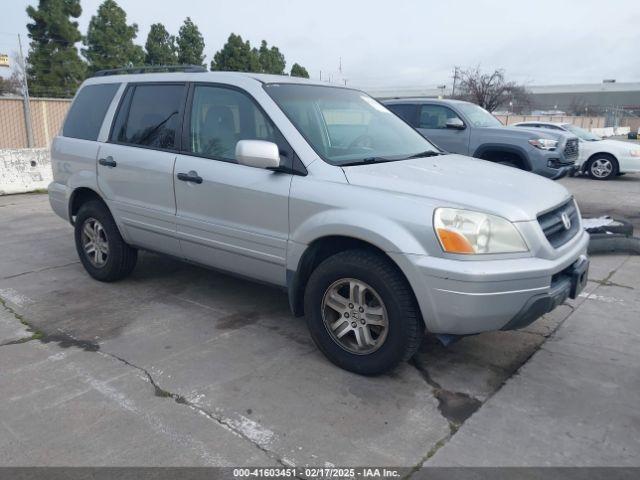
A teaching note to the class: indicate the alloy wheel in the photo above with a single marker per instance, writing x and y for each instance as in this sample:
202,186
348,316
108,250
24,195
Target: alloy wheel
94,242
601,168
355,316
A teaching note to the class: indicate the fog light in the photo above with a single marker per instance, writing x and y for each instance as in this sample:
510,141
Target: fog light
553,163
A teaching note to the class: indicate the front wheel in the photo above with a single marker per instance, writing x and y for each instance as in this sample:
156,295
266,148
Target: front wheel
506,163
362,313
602,168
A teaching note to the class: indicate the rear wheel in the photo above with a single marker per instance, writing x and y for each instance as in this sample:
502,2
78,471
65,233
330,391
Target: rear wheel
361,312
602,167
102,251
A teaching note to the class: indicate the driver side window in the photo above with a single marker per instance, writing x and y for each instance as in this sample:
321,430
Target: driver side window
221,117
435,116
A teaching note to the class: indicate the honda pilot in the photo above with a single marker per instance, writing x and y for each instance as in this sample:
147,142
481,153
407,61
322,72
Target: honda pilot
375,234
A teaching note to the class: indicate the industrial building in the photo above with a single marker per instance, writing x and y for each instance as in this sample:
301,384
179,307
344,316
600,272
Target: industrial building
576,98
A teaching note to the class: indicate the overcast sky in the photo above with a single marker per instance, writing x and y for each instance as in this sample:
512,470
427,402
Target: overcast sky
394,43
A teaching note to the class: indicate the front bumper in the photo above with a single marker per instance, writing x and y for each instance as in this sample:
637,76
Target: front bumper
566,284
467,297
550,164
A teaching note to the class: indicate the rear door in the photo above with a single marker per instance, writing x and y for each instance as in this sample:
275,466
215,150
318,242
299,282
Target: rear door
232,217
432,124
135,168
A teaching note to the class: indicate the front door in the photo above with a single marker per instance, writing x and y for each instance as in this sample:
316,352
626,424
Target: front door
135,168
231,216
432,124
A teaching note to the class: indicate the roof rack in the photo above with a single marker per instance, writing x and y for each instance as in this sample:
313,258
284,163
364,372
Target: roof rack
151,69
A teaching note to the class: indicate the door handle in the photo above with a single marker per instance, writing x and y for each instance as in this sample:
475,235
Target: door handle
108,162
192,176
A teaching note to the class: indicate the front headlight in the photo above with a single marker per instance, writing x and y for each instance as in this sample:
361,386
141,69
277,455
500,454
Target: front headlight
635,153
544,143
469,232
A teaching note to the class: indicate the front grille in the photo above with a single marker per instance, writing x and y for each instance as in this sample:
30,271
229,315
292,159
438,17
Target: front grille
554,227
571,150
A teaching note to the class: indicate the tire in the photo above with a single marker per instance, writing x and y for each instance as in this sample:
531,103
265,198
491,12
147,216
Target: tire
508,164
112,259
385,297
602,167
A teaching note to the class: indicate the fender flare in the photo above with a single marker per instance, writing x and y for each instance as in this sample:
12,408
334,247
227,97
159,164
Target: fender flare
514,149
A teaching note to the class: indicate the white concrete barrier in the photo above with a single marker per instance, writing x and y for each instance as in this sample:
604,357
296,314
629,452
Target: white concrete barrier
622,130
24,170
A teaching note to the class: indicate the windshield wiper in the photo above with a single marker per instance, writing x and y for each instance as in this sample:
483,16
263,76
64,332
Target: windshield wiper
368,161
428,153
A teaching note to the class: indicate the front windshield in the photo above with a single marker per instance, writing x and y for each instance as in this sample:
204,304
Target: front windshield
478,116
582,133
347,126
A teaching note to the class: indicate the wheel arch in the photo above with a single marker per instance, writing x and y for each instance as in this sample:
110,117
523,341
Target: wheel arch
80,196
315,253
488,149
593,156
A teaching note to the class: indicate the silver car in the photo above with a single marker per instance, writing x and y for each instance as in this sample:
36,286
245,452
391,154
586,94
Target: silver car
375,234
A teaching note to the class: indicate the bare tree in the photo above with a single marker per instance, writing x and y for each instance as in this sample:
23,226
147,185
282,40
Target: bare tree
9,86
491,90
12,85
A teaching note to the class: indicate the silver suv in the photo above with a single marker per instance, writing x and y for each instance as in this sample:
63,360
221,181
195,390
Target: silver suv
375,234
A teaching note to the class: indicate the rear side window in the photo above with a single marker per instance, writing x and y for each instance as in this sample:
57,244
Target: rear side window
88,110
151,117
407,112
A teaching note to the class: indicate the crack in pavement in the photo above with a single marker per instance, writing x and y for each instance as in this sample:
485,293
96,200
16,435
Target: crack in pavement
64,340
181,400
436,386
456,407
40,270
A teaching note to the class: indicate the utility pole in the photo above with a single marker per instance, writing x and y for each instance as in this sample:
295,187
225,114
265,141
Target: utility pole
25,98
455,78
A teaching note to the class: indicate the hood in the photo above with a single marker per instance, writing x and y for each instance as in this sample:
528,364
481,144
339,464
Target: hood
528,132
464,182
617,145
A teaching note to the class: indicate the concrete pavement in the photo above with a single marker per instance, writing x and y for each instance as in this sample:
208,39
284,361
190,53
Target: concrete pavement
619,197
575,403
179,365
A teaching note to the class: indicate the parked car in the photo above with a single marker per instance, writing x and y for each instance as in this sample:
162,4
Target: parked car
600,159
467,129
374,233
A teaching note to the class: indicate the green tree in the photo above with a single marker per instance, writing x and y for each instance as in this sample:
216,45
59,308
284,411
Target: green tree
160,46
190,44
271,60
54,67
299,71
109,39
236,56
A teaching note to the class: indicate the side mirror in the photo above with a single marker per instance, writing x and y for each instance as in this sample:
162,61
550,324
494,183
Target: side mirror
455,123
257,153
